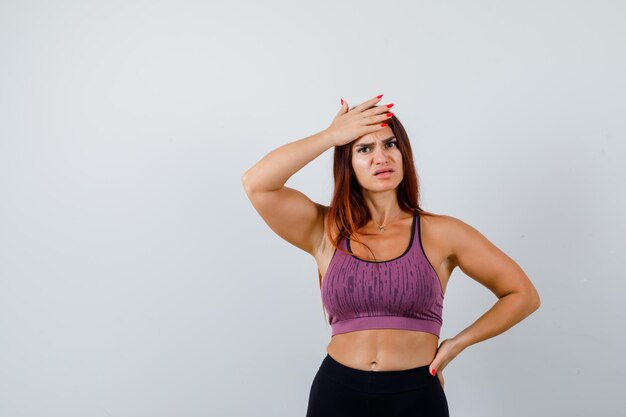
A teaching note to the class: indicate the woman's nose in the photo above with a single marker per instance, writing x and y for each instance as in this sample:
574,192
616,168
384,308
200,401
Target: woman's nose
380,154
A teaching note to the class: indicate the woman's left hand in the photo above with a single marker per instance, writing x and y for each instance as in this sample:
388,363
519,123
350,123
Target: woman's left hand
448,350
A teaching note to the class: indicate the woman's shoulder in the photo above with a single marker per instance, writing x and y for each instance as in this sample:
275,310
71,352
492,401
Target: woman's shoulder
443,225
443,232
450,230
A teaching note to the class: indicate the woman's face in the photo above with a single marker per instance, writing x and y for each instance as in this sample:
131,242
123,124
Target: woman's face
374,152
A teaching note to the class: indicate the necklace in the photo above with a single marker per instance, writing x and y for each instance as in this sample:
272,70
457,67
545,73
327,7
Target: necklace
381,227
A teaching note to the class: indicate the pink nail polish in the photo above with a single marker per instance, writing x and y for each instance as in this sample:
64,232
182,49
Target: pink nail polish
342,102
379,96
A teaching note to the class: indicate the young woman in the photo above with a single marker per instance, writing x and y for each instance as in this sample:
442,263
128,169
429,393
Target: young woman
385,264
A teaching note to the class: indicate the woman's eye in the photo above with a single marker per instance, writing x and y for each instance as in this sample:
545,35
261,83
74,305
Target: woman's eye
394,143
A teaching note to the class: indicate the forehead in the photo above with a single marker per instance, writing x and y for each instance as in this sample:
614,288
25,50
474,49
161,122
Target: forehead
379,135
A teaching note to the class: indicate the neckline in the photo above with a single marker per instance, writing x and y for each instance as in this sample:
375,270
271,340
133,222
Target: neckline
408,248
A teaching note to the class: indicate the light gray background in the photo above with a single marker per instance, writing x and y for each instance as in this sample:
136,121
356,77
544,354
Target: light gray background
136,279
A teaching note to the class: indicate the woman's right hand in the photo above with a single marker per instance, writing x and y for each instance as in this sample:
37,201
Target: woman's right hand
349,125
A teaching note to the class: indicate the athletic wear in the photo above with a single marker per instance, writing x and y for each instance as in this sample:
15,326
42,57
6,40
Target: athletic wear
400,293
341,391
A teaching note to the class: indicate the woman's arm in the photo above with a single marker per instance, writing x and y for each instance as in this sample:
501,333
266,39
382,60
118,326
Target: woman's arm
484,262
275,168
288,212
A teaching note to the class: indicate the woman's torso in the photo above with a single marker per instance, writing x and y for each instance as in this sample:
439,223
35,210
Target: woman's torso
391,349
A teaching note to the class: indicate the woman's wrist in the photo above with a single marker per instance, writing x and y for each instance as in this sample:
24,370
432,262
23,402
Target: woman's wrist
327,138
459,342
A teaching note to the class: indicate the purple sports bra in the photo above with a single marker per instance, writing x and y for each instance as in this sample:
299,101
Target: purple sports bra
402,293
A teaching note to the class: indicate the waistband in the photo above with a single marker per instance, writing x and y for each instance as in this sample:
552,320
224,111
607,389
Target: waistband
383,382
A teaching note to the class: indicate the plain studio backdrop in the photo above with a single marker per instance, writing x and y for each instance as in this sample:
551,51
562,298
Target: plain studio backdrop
136,278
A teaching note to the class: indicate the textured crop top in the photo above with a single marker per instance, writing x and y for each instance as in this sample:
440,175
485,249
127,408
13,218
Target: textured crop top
402,293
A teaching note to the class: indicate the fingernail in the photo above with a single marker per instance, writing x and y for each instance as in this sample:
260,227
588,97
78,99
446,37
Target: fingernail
379,96
342,102
389,105
383,124
434,371
389,114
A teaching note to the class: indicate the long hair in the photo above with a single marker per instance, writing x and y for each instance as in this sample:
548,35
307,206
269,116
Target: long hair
348,211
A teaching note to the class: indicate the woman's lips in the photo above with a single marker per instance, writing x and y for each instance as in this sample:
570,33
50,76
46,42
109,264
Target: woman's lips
385,174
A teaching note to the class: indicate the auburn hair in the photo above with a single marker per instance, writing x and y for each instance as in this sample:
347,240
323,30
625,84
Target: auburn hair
348,211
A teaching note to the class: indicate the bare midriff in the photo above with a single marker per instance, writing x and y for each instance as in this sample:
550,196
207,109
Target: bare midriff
383,349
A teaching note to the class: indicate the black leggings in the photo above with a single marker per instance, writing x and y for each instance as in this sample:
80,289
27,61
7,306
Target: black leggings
341,391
